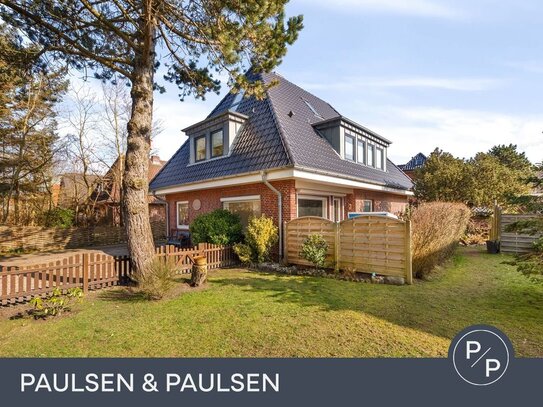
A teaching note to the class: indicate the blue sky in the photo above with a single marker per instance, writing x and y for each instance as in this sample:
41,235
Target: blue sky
458,75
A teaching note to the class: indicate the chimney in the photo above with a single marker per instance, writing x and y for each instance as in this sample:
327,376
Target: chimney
155,159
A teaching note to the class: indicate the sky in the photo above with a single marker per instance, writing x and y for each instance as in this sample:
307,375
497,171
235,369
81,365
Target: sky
459,75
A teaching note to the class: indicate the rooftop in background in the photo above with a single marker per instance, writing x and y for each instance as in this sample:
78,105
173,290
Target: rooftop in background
416,162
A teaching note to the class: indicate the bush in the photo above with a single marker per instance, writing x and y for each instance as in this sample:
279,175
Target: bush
218,227
58,217
437,227
314,249
159,279
260,237
55,304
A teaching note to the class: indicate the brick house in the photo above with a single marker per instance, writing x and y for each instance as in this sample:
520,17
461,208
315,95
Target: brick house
286,156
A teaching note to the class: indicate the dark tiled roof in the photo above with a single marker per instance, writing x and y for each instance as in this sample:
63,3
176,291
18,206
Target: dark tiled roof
278,133
416,162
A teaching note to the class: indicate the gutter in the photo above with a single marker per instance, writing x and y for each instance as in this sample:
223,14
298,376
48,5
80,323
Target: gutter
279,210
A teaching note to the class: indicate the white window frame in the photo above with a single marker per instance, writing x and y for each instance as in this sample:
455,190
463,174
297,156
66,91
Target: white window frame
361,158
364,204
379,165
353,138
246,198
372,147
177,214
324,199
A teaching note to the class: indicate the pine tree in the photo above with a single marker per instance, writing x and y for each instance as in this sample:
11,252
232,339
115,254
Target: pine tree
195,39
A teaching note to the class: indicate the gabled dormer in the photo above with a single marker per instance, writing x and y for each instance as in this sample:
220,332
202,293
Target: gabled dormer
213,137
354,142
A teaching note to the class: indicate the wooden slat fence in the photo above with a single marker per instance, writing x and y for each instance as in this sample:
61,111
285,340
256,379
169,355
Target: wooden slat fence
92,271
513,242
370,244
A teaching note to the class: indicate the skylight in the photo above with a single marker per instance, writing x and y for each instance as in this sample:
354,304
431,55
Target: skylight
237,100
312,109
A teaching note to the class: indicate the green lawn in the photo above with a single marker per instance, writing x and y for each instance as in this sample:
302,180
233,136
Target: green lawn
245,313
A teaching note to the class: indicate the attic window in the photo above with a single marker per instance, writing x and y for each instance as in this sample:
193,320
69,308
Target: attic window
312,109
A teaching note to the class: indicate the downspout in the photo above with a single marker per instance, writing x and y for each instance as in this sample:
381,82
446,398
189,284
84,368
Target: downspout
279,210
164,201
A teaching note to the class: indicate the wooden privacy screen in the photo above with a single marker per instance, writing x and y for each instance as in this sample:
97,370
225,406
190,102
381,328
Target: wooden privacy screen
369,244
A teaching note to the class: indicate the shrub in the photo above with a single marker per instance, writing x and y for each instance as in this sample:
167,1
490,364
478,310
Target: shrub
244,253
58,217
260,237
314,249
159,279
217,227
55,304
437,227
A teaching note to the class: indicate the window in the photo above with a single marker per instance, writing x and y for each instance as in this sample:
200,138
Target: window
200,148
183,215
311,206
361,151
349,147
217,143
371,155
379,157
367,205
245,207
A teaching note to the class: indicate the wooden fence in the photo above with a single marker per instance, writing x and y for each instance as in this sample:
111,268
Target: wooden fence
511,242
369,244
92,271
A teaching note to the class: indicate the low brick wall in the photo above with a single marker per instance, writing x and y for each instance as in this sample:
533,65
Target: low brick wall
35,238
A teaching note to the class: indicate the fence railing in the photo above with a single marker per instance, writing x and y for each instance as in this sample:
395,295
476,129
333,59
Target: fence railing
92,271
370,244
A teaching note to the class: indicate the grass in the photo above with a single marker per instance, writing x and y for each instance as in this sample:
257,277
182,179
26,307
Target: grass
245,313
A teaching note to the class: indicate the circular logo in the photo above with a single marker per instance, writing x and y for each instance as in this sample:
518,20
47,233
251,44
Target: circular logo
480,355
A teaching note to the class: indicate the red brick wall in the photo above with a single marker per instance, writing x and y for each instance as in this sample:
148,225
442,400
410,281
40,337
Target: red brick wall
382,201
211,199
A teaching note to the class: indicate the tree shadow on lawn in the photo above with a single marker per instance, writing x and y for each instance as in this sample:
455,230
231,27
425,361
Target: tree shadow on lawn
129,293
427,306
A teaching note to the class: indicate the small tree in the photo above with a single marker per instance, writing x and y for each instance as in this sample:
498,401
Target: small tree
314,249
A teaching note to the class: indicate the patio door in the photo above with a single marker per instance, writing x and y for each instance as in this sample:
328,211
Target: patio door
337,213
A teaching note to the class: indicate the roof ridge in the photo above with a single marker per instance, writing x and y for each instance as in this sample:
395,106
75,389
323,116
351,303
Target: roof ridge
278,125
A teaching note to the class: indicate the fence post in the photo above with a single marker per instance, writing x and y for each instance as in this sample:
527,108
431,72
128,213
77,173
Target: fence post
202,249
408,258
285,243
336,246
85,272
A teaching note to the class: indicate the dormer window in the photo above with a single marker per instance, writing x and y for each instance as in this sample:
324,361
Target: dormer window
361,151
200,148
371,155
349,147
217,143
379,158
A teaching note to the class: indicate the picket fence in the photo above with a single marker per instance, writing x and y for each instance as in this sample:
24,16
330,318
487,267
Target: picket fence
92,271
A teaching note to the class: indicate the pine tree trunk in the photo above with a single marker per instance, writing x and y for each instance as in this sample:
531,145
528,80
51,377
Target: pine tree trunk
135,181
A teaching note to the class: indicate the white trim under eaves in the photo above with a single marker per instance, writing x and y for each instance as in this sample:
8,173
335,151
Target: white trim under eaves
288,173
245,198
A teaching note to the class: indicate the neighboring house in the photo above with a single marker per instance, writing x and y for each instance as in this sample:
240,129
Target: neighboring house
286,156
417,161
74,189
107,195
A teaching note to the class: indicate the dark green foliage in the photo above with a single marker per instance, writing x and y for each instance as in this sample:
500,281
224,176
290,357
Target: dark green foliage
477,182
217,227
58,217
314,249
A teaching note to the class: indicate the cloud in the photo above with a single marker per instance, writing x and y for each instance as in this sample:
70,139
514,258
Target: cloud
455,84
460,132
422,8
527,66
